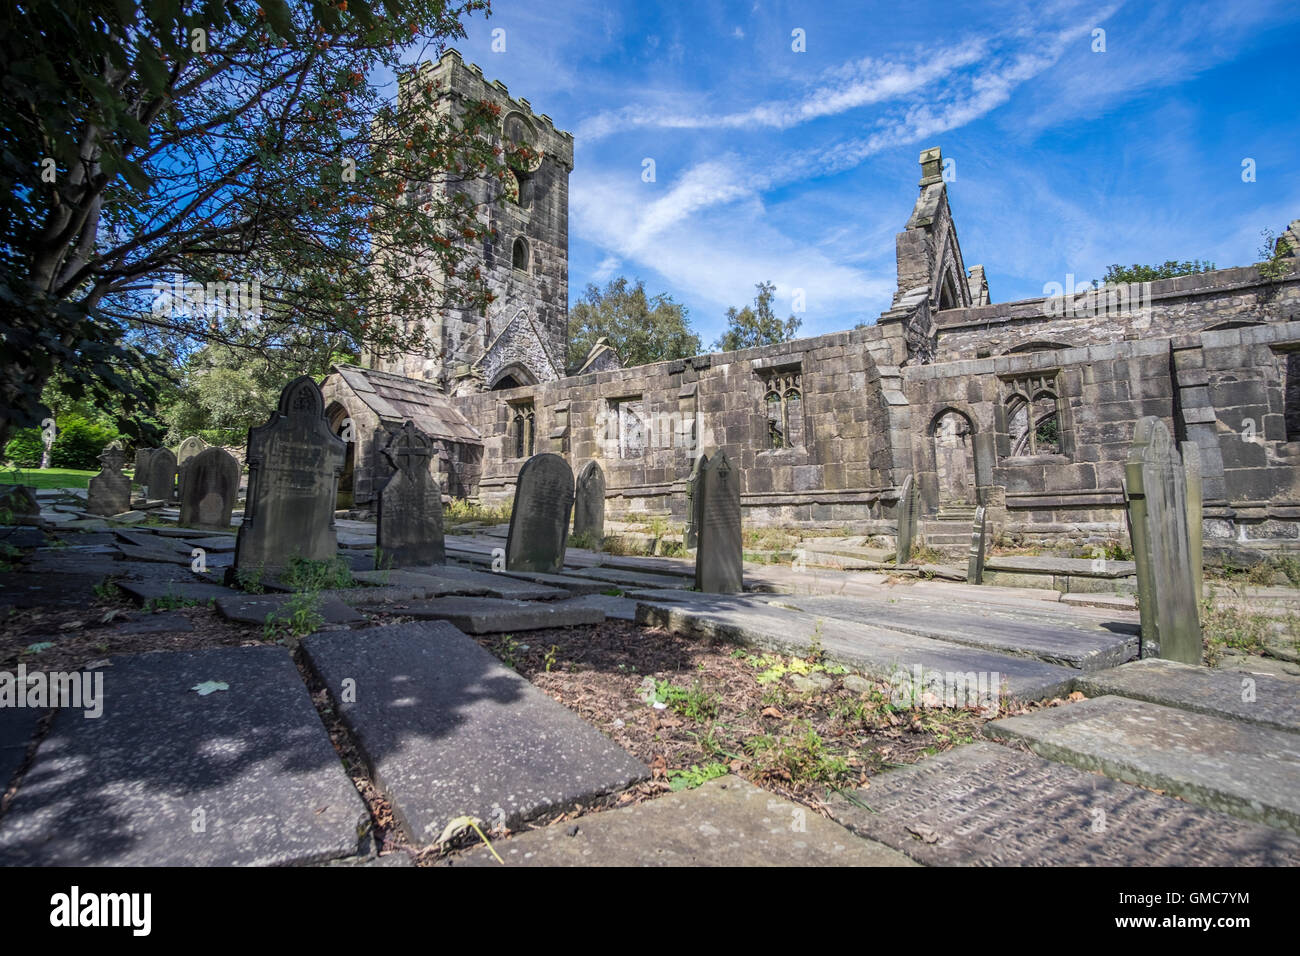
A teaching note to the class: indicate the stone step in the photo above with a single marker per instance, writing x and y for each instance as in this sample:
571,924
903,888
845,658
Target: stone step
1247,770
1256,699
448,730
877,651
987,805
484,615
251,765
725,822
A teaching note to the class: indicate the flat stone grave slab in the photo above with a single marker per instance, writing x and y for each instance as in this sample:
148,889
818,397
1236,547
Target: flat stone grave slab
449,730
17,728
251,767
988,805
143,539
502,586
255,608
178,532
23,537
634,579
1084,646
615,608
485,615
24,589
429,583
1048,564
1263,700
200,591
725,822
876,651
213,545
1250,771
574,585
163,555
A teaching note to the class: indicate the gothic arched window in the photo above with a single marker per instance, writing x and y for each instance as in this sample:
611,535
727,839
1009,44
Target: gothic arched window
521,429
520,257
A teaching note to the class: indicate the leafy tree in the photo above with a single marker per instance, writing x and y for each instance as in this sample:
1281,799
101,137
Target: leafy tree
79,443
641,328
1118,274
26,448
747,328
215,142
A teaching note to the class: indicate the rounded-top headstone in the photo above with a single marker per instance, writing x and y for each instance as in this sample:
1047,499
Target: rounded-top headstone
209,487
539,521
589,504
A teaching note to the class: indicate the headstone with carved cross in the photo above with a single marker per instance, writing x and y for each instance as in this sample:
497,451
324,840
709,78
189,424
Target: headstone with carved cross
719,559
109,492
294,462
410,505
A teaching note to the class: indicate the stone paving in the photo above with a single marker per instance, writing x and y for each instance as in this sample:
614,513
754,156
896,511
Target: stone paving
218,757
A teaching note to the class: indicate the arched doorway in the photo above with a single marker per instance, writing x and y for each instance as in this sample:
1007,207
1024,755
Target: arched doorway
343,425
954,458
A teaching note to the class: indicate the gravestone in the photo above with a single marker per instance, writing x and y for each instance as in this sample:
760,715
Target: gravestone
141,475
975,562
294,462
589,504
906,520
161,475
692,535
410,505
539,522
109,492
1156,489
720,555
209,487
188,449
1192,471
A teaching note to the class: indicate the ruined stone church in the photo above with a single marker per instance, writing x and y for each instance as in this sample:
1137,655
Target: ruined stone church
1025,407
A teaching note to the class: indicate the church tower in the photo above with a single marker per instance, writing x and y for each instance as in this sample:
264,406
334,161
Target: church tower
523,339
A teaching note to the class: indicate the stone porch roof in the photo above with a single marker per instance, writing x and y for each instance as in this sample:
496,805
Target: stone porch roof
395,399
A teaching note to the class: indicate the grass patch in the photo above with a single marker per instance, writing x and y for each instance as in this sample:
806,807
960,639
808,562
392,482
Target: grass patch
693,703
696,775
305,574
47,477
462,509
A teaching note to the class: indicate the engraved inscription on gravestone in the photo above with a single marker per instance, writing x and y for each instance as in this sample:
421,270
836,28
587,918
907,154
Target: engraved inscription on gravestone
539,522
410,506
719,559
209,487
294,462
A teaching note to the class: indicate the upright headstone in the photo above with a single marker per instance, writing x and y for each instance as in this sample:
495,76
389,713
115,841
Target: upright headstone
189,448
539,522
162,475
1195,500
906,520
109,492
141,476
410,505
589,504
975,561
719,559
692,535
294,462
1156,488
209,487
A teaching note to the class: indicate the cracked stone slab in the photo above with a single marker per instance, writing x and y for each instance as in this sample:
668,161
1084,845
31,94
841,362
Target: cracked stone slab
725,822
167,622
427,584
989,805
615,608
1249,771
154,590
482,615
501,585
1256,699
255,608
21,589
1083,645
876,651
449,730
634,579
574,585
166,777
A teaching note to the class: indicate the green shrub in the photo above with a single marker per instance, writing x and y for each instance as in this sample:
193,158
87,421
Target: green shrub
79,443
25,448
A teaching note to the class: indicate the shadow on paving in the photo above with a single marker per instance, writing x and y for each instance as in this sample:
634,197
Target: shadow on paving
166,776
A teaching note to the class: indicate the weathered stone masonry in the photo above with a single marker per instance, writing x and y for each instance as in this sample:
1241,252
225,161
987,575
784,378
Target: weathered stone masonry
1026,407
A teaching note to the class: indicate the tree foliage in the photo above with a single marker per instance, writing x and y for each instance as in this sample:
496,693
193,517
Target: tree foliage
748,328
211,142
1118,274
641,328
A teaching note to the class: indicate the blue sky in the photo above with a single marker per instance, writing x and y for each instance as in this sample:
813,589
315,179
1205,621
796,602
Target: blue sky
799,168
